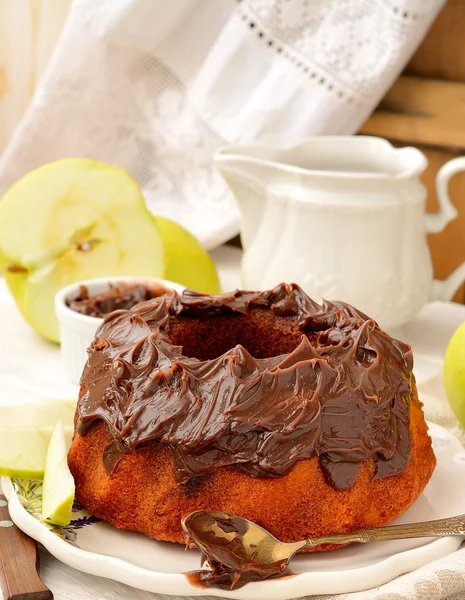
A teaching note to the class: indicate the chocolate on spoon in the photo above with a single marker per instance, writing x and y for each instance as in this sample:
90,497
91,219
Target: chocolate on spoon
239,551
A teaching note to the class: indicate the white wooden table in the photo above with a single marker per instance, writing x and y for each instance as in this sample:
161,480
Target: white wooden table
428,334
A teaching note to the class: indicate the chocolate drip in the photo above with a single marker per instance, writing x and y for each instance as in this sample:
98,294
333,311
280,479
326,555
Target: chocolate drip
342,394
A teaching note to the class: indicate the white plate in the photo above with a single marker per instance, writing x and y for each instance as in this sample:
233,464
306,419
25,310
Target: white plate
100,549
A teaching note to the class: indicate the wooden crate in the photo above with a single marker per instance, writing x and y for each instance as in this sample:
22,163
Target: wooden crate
426,108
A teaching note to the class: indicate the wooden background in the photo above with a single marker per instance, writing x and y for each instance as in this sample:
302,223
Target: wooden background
426,108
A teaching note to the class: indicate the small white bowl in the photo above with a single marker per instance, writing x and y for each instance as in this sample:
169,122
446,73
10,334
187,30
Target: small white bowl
77,330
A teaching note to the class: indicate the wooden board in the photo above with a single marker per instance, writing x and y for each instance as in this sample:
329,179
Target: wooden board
442,53
421,111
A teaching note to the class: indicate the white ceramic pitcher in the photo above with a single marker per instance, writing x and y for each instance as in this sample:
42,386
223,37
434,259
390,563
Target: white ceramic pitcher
344,217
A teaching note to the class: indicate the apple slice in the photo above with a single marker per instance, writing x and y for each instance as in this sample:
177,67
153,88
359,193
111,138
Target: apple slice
23,450
70,220
58,488
38,412
186,261
26,429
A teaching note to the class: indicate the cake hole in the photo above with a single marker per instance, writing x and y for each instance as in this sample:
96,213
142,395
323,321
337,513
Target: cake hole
261,333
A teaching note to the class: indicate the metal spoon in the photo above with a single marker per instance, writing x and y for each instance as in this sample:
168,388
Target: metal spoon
238,546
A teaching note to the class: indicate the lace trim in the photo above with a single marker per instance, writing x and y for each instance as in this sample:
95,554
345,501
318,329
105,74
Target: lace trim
295,29
320,76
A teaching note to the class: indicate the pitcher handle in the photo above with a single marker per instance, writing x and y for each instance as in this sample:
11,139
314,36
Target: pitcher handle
435,222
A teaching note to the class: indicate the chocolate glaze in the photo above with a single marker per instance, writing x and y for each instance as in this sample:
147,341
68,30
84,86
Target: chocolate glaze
121,296
230,560
342,394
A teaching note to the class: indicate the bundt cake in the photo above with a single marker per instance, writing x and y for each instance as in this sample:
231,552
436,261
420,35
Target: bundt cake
301,417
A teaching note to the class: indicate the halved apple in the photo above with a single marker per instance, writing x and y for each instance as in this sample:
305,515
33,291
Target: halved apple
70,220
186,260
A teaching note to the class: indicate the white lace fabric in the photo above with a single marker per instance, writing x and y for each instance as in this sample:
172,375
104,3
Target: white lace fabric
157,87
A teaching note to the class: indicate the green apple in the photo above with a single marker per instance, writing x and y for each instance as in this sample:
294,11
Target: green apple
454,373
37,412
186,261
23,450
70,220
26,429
58,488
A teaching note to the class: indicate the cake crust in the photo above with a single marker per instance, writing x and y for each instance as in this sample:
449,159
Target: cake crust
301,417
142,494
254,380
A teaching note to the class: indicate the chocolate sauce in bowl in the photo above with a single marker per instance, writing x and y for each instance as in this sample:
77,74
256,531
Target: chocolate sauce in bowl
119,296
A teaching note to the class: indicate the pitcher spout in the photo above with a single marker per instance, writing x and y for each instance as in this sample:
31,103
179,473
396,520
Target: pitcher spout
246,175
